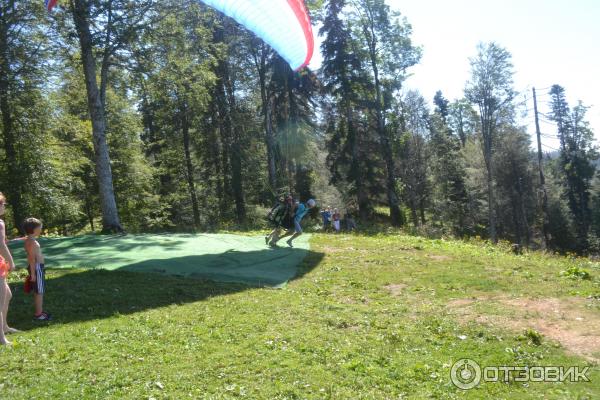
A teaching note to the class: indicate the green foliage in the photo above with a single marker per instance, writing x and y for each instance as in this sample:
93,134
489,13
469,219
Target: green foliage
491,90
576,168
72,160
576,272
516,182
532,336
449,187
24,111
206,124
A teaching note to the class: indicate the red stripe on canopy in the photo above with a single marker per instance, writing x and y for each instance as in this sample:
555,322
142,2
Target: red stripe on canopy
302,15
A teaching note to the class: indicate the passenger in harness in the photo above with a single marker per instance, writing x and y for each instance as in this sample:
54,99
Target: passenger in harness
295,228
281,216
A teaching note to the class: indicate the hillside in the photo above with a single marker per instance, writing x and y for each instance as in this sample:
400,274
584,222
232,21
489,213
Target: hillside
368,317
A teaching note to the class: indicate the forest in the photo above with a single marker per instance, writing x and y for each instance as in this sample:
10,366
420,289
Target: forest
148,116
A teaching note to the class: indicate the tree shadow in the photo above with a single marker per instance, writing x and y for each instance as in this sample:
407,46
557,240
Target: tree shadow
91,294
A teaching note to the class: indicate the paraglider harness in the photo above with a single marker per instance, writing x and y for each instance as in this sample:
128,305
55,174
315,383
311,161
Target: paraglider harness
281,215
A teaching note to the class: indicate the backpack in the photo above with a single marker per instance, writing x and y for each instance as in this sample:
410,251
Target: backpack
278,213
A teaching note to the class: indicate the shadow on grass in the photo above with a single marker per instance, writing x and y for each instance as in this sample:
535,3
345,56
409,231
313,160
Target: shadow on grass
99,248
85,295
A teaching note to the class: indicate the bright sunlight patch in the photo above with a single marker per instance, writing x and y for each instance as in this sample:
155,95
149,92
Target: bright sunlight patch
218,257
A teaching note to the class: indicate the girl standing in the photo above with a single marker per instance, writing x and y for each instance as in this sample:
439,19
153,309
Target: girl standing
6,265
336,217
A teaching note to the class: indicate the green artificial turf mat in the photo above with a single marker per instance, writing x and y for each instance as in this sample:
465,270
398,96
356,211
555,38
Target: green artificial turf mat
218,257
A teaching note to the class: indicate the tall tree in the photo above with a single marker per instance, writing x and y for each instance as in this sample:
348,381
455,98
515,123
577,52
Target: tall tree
450,198
491,90
104,30
516,184
577,153
390,52
343,75
226,36
414,153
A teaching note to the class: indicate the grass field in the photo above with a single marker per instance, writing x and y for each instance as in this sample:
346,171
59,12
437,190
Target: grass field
368,317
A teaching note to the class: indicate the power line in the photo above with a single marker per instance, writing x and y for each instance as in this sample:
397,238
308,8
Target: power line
550,147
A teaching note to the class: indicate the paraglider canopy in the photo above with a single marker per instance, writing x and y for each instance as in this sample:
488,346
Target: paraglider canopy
283,24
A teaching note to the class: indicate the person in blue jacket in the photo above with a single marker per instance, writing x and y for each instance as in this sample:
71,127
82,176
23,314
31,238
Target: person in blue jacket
301,210
326,215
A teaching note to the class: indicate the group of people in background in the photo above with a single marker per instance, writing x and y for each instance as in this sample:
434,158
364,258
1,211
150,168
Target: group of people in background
332,219
35,281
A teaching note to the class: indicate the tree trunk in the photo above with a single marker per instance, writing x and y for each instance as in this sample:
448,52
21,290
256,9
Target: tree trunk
392,195
212,174
523,212
291,174
225,131
236,150
237,181
89,213
491,202
185,127
266,106
271,149
413,211
388,156
516,220
110,214
487,143
364,209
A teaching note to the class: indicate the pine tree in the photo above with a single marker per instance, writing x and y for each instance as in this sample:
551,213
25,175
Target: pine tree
389,52
516,184
342,77
576,155
413,131
449,189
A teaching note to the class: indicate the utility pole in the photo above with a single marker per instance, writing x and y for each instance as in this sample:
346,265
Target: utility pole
542,179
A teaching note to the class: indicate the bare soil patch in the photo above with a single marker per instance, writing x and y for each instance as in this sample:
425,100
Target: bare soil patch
396,289
566,321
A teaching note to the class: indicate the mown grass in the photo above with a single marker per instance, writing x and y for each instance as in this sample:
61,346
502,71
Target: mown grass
336,332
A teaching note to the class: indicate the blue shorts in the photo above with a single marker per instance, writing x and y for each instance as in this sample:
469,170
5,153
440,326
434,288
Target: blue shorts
39,286
297,226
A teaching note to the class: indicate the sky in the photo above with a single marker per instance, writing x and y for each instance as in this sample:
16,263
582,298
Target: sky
551,41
